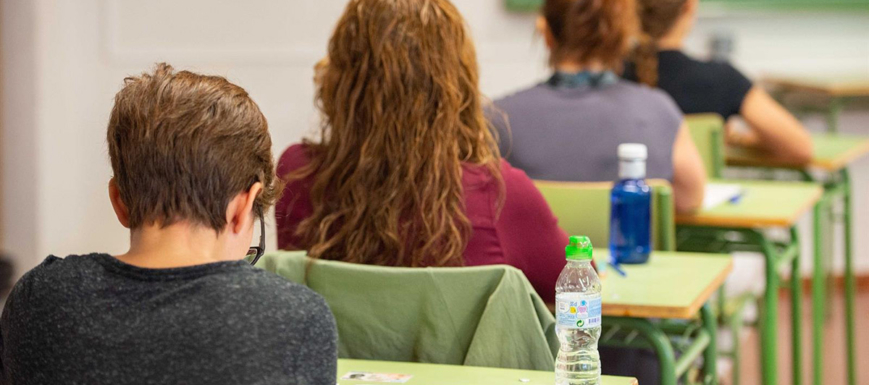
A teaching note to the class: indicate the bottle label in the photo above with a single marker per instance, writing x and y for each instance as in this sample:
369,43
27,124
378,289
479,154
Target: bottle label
577,313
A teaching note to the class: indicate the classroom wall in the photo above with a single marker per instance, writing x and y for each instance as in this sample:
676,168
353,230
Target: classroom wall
65,60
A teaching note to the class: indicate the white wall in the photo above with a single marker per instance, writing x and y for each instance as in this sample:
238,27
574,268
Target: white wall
64,61
19,119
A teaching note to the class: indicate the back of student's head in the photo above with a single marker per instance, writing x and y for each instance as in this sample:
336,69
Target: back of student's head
657,18
590,31
182,145
401,113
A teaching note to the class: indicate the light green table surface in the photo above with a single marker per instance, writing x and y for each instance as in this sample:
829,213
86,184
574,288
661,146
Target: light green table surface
670,285
431,374
832,153
763,204
836,85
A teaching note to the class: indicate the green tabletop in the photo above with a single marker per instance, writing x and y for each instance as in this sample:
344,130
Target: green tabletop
763,204
431,374
836,85
832,153
670,285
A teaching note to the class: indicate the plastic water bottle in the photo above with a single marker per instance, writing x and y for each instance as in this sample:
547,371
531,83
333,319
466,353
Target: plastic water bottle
630,218
578,317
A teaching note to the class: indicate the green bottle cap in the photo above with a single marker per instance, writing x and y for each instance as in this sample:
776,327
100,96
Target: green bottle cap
579,248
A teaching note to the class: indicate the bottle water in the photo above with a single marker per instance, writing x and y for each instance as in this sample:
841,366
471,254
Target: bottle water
631,199
578,317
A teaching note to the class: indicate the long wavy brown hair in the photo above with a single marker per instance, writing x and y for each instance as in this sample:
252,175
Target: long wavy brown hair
401,113
657,18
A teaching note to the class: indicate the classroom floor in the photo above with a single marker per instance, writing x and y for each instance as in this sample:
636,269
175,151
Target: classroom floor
834,349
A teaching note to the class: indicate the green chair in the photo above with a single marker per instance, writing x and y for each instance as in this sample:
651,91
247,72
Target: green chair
707,130
583,208
477,316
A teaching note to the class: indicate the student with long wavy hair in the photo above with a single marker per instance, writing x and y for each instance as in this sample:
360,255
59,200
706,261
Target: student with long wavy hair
710,87
407,171
569,127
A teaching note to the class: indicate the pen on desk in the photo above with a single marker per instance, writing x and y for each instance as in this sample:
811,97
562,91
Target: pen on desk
737,198
618,269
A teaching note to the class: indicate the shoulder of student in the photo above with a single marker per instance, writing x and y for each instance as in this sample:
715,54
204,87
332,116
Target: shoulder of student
524,100
280,292
294,157
521,193
721,72
48,279
654,98
54,269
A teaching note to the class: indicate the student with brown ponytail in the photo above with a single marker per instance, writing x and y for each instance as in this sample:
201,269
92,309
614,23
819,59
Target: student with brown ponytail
708,87
406,171
569,127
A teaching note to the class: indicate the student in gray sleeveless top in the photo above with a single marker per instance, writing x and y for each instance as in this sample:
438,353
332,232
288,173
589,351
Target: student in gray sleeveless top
569,127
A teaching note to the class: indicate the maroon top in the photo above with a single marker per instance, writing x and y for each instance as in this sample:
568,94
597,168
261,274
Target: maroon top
525,234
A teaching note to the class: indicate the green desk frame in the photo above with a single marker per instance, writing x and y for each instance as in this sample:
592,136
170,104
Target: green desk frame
699,336
729,228
832,155
646,309
836,187
838,91
776,256
832,111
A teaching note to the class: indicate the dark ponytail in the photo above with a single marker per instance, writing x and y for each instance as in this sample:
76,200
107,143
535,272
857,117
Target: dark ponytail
657,18
645,58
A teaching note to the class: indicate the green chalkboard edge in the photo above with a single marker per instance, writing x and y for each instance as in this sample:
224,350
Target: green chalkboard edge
771,5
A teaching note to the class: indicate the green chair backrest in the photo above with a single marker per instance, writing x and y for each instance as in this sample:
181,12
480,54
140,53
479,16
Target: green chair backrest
479,316
583,208
707,130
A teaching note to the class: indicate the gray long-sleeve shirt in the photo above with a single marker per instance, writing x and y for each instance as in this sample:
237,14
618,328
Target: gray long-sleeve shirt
573,133
93,319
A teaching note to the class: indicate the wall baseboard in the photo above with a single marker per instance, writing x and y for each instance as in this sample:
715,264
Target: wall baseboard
861,283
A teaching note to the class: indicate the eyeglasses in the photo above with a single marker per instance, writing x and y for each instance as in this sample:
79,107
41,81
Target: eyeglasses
254,253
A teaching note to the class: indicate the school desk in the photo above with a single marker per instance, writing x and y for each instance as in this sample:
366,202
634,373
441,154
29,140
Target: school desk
837,89
674,289
432,374
741,226
833,154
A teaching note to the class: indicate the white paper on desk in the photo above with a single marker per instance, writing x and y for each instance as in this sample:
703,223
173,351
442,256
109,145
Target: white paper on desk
717,193
377,377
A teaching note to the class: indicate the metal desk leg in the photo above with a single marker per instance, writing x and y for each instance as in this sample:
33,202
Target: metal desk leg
710,355
658,341
850,338
735,324
834,111
768,336
818,295
797,313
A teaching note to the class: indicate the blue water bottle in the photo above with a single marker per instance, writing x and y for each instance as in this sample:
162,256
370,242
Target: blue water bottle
630,218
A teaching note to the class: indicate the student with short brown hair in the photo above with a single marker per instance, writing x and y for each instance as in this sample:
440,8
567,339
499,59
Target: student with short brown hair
569,127
712,87
193,172
406,171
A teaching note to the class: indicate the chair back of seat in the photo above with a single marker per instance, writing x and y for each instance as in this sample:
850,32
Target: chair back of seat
480,316
583,208
707,130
